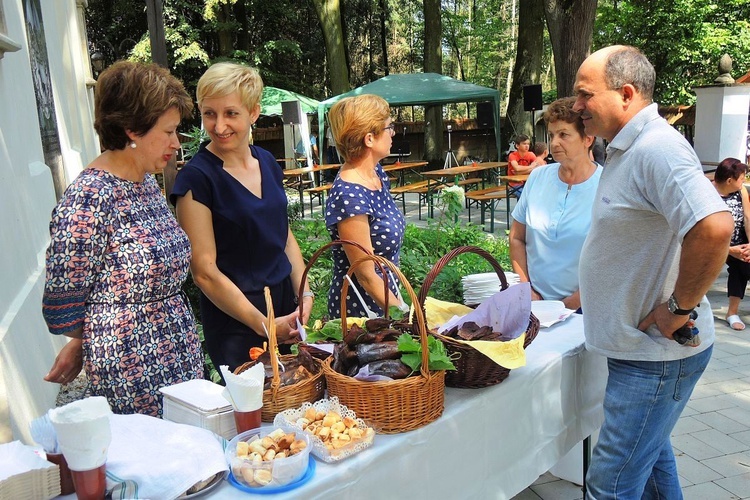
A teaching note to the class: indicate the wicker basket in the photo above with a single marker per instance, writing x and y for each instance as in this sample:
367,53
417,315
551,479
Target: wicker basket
315,257
473,369
391,406
277,399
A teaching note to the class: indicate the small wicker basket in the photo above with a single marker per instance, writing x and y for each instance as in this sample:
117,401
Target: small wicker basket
277,399
473,369
390,406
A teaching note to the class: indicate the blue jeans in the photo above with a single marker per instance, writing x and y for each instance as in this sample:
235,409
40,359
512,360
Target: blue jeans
633,458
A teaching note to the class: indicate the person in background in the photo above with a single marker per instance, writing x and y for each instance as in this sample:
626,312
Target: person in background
231,202
553,215
729,180
117,258
520,161
659,236
359,206
300,148
541,152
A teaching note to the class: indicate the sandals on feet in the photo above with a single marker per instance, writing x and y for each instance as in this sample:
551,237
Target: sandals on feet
735,322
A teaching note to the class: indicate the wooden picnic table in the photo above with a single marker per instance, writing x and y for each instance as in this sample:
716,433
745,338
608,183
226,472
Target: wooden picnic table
402,167
507,179
482,169
299,184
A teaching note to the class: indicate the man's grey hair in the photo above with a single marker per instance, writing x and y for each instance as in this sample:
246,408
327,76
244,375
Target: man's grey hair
629,65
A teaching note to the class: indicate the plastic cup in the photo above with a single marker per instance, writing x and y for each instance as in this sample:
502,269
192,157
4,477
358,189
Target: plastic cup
247,420
66,480
90,484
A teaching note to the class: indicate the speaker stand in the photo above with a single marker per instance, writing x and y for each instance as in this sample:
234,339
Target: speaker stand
533,128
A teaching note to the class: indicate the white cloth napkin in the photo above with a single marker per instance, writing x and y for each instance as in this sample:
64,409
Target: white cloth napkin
244,391
154,458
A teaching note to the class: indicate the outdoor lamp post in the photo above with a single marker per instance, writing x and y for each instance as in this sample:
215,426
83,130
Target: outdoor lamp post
97,62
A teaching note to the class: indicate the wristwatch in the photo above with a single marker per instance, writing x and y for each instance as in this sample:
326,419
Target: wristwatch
674,307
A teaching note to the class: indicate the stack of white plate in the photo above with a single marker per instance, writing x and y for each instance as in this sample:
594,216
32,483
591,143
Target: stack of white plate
478,287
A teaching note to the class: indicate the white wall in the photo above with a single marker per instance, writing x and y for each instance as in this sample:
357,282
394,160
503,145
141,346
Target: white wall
27,197
721,122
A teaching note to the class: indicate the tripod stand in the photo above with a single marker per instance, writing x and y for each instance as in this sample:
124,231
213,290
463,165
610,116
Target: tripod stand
449,156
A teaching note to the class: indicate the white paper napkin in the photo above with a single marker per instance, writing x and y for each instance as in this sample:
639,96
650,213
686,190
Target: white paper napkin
154,458
244,391
83,432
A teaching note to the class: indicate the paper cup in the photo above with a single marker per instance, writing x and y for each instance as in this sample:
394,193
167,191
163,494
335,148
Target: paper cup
66,480
83,432
90,484
246,420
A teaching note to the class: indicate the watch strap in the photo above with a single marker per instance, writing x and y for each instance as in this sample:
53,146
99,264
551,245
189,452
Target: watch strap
674,307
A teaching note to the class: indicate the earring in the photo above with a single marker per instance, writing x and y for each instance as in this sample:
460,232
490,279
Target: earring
132,145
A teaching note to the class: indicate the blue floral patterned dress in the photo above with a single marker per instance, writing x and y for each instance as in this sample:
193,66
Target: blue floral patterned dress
387,226
116,263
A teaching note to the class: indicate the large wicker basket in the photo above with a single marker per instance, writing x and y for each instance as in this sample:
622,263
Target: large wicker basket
397,405
473,369
277,399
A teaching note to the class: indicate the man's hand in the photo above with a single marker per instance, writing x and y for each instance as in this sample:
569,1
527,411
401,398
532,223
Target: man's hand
665,321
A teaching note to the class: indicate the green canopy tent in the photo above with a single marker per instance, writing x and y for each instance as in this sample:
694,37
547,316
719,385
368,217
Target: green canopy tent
422,89
270,102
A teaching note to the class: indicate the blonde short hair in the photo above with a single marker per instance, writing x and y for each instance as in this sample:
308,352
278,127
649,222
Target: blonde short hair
225,78
352,118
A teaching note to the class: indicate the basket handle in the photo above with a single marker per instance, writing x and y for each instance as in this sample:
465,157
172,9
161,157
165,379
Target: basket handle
430,278
272,343
420,322
315,257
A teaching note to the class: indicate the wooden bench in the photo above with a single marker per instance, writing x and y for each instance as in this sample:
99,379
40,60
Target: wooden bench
318,193
484,199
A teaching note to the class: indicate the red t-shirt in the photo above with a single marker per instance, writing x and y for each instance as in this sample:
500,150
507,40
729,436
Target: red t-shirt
523,161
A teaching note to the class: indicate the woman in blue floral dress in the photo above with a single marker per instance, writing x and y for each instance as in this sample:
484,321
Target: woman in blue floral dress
117,258
360,207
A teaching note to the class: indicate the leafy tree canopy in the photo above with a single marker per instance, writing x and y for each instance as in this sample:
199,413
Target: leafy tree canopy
684,39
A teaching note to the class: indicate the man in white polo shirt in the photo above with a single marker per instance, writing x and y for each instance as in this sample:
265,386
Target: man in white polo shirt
659,237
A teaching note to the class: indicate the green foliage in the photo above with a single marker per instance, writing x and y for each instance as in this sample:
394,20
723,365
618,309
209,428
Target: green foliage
437,359
197,136
684,39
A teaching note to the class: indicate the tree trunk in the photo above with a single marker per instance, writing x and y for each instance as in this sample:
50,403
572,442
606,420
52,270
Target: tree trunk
384,34
243,34
329,14
433,63
571,28
226,34
527,69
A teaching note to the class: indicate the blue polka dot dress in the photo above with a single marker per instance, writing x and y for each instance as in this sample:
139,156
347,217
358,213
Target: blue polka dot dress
386,234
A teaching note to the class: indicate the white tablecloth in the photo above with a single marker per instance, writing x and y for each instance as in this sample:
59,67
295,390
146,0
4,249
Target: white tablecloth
489,443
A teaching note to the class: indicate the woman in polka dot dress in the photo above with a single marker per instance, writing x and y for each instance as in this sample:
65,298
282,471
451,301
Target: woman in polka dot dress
360,207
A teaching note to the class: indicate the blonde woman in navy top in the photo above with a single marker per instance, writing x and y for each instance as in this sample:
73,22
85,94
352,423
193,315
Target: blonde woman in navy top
232,205
360,206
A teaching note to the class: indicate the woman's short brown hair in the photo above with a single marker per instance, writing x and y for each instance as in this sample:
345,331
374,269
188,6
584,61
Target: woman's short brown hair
225,78
131,97
562,110
729,168
352,118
